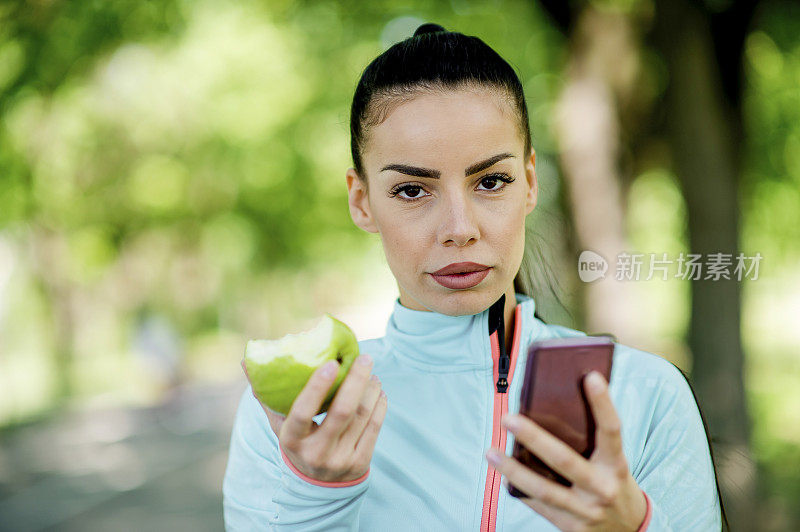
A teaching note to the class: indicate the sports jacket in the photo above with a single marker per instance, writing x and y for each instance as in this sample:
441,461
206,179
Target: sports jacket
428,471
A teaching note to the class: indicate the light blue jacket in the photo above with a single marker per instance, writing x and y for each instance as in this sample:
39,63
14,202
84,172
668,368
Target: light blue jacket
429,471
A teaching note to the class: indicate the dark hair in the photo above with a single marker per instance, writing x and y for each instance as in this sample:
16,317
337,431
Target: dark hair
434,59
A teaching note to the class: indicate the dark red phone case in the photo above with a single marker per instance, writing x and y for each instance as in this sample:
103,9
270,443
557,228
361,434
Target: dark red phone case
552,395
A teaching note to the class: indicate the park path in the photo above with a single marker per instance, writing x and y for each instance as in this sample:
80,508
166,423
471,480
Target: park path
156,468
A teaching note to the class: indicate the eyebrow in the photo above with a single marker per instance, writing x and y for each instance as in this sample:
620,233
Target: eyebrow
436,174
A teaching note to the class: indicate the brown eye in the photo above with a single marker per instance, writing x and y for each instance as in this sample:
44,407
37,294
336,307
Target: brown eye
411,192
492,180
489,182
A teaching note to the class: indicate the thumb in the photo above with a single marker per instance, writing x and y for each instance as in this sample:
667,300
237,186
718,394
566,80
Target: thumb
275,420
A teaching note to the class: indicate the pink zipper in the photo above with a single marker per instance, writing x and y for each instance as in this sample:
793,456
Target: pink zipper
491,491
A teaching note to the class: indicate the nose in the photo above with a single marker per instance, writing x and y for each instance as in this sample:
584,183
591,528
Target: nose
459,226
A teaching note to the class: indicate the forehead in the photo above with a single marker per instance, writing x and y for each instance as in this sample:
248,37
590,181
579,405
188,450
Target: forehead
434,129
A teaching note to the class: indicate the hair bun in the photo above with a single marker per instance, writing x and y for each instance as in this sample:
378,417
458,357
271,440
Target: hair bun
428,27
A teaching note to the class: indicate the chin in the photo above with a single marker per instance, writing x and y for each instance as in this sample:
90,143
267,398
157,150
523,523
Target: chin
463,302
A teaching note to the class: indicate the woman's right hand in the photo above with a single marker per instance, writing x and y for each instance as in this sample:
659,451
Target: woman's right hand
340,448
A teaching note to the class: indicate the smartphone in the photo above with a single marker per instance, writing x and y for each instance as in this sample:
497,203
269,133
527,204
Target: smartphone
552,395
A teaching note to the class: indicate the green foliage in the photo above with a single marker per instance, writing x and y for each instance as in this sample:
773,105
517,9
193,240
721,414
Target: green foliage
166,156
771,186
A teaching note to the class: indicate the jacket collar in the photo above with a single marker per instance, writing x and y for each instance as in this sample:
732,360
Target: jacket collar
437,342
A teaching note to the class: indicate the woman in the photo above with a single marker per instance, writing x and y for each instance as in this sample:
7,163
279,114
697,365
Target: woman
444,172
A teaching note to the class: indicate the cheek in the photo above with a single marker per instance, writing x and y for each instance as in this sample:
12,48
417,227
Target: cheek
508,240
401,244
507,227
401,230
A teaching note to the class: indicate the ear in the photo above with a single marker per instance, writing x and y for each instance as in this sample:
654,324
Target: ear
533,185
358,198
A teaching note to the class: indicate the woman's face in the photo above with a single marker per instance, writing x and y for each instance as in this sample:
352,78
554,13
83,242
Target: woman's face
471,141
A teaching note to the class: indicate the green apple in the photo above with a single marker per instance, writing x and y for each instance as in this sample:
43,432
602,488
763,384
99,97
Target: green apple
279,369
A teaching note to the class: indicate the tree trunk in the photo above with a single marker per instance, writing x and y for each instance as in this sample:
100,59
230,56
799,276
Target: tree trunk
601,70
705,133
48,256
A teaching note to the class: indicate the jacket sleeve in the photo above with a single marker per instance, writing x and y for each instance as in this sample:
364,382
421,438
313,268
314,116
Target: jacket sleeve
676,471
262,490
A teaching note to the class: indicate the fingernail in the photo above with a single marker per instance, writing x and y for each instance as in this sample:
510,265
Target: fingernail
511,422
595,380
329,369
364,359
493,457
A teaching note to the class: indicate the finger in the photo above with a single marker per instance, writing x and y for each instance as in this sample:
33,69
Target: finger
551,450
343,408
366,443
608,438
363,412
299,423
276,420
562,519
538,487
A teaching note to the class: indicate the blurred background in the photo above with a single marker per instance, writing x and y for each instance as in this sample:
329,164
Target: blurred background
172,184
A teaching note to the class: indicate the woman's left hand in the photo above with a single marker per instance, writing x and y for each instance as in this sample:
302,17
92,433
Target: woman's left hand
603,495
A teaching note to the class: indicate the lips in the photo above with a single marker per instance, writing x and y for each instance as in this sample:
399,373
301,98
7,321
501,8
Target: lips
460,281
460,267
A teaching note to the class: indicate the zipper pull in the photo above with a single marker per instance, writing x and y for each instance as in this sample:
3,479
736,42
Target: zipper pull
502,371
497,324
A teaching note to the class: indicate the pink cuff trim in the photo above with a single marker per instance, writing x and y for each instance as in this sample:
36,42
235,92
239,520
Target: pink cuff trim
322,482
648,514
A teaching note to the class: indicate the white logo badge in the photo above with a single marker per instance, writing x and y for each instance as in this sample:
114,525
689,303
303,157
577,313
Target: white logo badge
591,266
